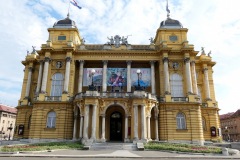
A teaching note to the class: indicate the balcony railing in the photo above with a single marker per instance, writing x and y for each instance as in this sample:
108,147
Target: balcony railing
118,95
179,99
53,98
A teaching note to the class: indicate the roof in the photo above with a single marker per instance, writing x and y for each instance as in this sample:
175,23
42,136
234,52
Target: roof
170,23
229,115
8,109
65,23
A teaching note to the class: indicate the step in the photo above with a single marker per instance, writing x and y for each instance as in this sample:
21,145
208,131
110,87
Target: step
113,146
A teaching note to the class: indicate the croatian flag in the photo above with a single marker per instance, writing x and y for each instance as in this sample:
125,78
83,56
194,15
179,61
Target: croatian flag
73,2
167,9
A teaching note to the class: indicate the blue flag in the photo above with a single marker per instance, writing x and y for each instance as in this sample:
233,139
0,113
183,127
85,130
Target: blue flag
73,2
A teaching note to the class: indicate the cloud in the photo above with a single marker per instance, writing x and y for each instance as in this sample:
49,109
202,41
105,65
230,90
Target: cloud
212,24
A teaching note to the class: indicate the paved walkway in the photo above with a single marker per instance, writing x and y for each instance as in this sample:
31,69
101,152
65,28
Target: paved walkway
117,154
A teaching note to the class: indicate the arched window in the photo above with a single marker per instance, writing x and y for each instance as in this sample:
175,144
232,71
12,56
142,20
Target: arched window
57,84
204,124
176,85
181,122
51,119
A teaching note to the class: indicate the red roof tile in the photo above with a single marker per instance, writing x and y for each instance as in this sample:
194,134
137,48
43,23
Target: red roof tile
8,109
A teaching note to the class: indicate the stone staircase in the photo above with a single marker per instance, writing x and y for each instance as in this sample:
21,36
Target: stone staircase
113,146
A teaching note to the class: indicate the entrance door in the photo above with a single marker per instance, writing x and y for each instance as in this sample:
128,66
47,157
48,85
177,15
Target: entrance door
116,127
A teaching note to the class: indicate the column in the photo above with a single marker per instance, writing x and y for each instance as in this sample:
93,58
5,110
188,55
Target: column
129,76
188,75
39,76
75,127
153,77
194,78
67,74
104,81
148,128
166,75
126,127
206,81
85,128
45,74
81,127
156,128
80,78
28,81
103,128
135,122
143,122
94,122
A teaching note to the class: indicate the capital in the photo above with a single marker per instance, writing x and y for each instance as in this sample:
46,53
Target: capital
129,62
165,59
186,60
30,69
105,62
81,61
193,62
47,59
152,62
68,59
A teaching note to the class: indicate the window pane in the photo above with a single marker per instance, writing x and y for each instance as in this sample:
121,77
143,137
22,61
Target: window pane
57,84
61,38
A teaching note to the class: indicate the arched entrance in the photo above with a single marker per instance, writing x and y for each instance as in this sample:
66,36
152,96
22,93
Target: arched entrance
116,126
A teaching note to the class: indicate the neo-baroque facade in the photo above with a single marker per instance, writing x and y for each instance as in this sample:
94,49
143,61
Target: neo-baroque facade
118,91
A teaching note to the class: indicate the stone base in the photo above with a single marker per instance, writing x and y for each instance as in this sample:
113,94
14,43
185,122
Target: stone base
103,140
126,140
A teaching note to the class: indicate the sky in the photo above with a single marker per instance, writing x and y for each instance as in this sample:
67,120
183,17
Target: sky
213,24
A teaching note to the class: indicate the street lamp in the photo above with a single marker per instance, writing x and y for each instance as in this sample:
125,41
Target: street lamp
227,131
139,87
92,87
10,128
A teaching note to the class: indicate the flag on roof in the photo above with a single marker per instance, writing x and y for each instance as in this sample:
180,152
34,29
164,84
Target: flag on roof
73,2
167,9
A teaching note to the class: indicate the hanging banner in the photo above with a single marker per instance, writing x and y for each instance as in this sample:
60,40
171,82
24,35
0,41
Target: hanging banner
97,77
117,77
144,77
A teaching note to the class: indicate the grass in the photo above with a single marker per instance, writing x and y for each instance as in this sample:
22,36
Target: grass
182,147
43,146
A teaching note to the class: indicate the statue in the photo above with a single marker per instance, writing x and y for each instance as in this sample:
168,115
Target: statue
203,52
117,40
111,42
209,54
82,41
124,40
34,50
151,40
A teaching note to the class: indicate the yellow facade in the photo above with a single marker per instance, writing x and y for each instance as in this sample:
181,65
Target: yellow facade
177,106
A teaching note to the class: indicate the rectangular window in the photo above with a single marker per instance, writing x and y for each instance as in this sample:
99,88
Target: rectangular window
4,115
61,38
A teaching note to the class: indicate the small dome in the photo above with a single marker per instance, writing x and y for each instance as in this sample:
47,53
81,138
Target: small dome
65,23
170,23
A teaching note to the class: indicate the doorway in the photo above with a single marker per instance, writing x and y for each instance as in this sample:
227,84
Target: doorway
116,126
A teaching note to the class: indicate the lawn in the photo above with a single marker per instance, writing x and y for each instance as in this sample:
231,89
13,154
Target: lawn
182,147
42,146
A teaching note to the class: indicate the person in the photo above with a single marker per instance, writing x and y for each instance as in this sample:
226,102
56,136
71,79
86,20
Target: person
119,80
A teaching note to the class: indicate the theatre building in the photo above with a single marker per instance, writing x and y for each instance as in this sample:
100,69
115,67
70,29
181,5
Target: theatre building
118,91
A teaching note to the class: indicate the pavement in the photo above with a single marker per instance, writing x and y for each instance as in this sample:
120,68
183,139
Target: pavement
116,153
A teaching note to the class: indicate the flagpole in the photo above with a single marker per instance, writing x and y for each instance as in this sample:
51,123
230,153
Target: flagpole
68,8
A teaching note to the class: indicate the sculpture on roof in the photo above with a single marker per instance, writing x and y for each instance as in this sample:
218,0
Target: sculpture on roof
203,52
209,54
117,40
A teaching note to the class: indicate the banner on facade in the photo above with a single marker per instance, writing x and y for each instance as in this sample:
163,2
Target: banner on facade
144,77
117,77
97,77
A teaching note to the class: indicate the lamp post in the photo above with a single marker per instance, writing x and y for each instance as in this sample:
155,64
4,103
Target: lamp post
139,87
227,133
92,87
10,129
